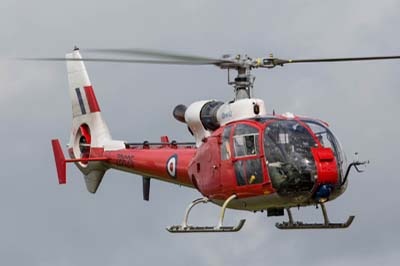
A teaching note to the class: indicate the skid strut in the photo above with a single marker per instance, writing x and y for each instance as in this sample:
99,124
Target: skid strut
326,225
185,228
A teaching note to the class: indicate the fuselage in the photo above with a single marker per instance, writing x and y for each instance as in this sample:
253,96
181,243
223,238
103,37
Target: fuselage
268,162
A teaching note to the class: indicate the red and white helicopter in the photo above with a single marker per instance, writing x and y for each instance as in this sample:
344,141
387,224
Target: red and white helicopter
242,157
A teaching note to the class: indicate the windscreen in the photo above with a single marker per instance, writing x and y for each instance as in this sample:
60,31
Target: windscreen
290,163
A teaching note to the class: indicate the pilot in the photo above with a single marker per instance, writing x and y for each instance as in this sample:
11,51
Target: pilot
250,148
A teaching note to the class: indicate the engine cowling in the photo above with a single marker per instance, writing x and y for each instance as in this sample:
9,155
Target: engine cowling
193,120
204,117
208,115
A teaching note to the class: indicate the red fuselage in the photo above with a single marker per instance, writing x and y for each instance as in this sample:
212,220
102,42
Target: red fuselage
267,162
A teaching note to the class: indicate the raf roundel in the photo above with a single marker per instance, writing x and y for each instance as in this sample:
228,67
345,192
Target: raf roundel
171,165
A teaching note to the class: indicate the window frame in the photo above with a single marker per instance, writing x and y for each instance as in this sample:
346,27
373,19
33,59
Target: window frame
257,142
245,159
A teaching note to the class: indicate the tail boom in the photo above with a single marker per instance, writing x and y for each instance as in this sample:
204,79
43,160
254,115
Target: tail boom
163,163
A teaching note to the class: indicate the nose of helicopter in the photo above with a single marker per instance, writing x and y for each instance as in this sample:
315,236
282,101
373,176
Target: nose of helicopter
298,163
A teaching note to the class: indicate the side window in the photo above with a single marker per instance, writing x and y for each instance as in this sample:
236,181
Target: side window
226,144
245,140
245,143
248,172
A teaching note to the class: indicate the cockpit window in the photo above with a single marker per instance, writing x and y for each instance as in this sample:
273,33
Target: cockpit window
322,134
291,165
226,145
245,140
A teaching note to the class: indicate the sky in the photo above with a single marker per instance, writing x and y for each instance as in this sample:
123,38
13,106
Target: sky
42,223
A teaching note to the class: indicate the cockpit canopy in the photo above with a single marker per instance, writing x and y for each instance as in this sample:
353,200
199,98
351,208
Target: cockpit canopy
285,145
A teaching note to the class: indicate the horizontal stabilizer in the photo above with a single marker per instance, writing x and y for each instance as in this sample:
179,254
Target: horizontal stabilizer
61,161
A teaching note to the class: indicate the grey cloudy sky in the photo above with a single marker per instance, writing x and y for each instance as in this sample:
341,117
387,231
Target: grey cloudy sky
42,223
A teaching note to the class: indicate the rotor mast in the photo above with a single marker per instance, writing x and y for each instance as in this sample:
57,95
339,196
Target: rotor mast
243,82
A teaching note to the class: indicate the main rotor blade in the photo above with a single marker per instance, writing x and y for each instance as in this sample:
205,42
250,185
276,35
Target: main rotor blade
318,60
136,61
153,53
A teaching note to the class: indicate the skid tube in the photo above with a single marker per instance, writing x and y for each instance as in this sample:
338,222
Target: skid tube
326,225
220,228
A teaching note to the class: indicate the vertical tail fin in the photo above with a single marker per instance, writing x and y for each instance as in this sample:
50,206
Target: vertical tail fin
85,108
60,161
81,91
89,134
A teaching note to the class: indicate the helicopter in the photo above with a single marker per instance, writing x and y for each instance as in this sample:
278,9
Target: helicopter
242,157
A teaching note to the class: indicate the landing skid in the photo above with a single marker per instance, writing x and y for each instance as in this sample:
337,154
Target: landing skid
205,229
326,225
185,228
